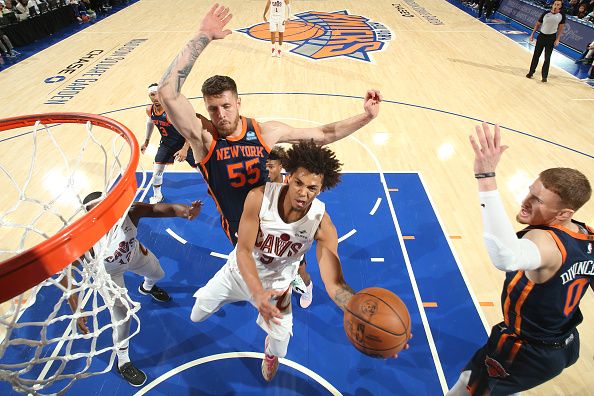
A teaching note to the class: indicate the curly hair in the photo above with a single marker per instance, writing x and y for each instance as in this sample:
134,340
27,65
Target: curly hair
278,153
316,159
216,85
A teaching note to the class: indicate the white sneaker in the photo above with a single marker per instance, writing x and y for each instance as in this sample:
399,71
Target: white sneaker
155,199
299,285
307,297
269,364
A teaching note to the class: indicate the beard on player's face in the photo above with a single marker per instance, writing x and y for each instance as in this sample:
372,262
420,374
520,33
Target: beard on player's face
224,111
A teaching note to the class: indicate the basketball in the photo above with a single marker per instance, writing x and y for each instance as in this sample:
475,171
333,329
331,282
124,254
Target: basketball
377,322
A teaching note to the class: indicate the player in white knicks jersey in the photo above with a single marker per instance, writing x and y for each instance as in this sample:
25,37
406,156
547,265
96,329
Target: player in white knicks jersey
125,253
280,11
278,226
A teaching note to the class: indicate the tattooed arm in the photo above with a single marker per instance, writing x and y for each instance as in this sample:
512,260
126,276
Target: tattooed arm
178,107
330,269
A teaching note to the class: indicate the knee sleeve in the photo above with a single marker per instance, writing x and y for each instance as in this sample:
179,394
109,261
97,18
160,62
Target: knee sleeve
199,315
277,348
158,171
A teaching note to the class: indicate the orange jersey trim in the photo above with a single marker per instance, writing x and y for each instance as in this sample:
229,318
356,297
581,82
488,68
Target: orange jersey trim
560,246
243,131
510,287
575,235
224,222
501,342
514,351
518,308
210,151
259,135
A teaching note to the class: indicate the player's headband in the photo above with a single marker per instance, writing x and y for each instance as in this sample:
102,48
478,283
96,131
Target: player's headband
152,89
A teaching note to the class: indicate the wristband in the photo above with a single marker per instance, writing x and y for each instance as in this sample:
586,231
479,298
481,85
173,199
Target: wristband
484,175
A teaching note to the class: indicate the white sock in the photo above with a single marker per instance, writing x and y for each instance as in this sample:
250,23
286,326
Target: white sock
123,357
157,191
148,284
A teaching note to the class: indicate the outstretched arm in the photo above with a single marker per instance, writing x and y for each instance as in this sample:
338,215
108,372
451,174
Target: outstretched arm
536,250
277,132
247,234
141,209
330,269
178,107
266,9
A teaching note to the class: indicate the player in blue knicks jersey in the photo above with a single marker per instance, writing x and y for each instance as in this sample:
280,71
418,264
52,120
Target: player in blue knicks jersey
172,147
549,266
232,155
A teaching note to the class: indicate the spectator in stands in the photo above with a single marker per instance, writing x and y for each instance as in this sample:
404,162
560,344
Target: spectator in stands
80,11
589,17
6,47
572,7
582,11
587,55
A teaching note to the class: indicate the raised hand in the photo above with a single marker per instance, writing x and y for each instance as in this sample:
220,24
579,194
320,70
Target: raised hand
487,148
214,21
372,101
195,209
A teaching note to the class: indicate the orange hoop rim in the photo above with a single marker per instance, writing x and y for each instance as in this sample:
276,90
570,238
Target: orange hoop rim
36,264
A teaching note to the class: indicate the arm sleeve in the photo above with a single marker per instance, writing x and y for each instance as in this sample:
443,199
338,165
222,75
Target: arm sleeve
149,128
506,251
562,19
541,19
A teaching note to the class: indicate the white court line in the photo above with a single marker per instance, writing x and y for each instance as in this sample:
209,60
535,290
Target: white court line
233,355
413,280
219,255
377,259
583,99
175,236
377,204
464,277
347,235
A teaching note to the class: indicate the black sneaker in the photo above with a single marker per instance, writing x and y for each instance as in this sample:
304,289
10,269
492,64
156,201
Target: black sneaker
544,79
134,376
529,75
156,292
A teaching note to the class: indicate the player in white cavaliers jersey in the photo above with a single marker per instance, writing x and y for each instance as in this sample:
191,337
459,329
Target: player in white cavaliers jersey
124,252
280,10
302,284
278,226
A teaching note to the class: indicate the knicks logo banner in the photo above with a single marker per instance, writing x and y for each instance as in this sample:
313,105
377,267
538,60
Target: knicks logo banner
321,35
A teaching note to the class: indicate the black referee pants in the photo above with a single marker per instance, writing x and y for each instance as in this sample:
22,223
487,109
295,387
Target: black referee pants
546,42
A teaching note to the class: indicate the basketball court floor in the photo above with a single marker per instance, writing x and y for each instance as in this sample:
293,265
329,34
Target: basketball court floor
406,210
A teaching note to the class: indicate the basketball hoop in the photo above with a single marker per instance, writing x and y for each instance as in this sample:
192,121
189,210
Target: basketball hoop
36,264
67,234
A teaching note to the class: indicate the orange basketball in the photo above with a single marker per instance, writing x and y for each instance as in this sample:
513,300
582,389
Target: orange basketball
377,322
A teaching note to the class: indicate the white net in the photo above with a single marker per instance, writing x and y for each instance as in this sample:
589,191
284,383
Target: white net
43,348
